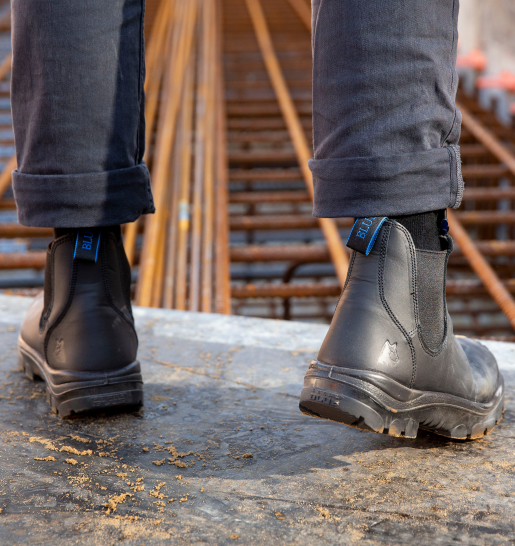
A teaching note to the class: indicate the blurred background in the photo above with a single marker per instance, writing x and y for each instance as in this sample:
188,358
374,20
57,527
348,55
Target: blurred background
228,137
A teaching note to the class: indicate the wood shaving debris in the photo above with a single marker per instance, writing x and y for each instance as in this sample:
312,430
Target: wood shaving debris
44,441
158,463
156,494
326,515
234,536
279,515
113,502
72,450
159,398
248,456
76,480
72,461
49,458
176,454
80,439
145,449
178,464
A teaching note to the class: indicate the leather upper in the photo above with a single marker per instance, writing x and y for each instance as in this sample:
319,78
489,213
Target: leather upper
83,321
377,326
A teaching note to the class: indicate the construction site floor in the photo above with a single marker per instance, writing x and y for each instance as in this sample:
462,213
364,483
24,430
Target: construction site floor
220,453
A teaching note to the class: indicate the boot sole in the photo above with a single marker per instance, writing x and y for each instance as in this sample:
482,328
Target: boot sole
373,402
70,393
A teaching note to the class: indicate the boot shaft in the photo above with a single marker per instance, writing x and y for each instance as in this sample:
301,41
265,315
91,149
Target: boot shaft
87,318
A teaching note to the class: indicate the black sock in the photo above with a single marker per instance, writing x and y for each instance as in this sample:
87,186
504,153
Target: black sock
424,228
59,232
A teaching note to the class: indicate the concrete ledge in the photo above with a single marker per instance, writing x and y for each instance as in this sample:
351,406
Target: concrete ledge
222,435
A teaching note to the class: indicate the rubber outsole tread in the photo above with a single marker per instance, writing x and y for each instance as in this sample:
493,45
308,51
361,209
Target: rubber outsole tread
356,409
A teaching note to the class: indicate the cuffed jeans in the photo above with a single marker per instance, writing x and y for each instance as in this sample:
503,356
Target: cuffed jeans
78,112
385,125
384,120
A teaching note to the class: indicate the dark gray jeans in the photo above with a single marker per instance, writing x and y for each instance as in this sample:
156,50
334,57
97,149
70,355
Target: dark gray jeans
385,125
78,112
384,120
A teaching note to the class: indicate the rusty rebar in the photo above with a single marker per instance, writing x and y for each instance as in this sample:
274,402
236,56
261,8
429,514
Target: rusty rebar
338,253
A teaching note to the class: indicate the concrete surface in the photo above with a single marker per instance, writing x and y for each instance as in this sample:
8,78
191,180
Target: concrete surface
220,453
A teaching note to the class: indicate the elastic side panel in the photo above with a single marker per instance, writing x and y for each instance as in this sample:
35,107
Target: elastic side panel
431,297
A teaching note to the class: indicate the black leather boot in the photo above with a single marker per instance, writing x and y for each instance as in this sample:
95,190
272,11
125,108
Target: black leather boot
390,362
79,333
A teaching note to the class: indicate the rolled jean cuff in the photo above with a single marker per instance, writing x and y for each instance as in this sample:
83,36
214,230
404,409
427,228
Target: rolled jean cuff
104,198
387,185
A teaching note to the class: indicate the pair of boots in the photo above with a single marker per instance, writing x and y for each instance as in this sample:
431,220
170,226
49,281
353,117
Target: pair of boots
390,362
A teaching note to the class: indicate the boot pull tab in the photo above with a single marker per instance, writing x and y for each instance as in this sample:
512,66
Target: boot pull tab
443,222
364,233
87,244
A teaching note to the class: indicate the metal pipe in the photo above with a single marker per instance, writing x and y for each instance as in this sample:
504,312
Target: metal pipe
199,173
206,300
183,204
222,266
338,253
174,76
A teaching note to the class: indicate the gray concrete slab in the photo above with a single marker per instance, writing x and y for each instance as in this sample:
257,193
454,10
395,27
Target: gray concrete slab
220,453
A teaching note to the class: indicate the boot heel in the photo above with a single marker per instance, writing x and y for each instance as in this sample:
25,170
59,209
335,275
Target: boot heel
25,365
354,408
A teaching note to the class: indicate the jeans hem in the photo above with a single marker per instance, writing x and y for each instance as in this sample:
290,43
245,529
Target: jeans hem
387,185
83,200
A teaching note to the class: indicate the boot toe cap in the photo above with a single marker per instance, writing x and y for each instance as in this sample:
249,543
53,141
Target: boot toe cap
483,365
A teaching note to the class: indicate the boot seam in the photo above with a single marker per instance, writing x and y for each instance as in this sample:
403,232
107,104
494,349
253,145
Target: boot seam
394,319
347,280
121,265
47,312
107,291
65,310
